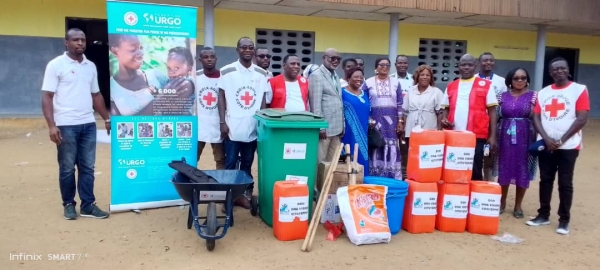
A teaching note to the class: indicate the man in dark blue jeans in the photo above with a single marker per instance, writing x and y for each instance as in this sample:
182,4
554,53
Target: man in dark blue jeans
70,95
246,151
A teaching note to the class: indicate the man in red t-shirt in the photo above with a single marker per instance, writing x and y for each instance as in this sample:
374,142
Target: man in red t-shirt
560,113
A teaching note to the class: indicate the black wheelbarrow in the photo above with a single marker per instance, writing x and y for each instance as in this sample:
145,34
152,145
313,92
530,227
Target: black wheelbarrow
210,187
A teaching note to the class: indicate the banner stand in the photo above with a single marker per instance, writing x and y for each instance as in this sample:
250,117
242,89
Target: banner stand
152,52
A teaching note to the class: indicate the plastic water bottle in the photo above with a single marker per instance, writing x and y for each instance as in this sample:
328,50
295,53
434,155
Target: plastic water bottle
486,149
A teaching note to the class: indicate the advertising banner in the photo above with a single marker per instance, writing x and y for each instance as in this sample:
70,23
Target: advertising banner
152,51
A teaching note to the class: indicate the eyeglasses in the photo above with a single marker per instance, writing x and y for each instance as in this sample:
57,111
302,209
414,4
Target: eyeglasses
384,65
246,48
522,78
262,56
334,58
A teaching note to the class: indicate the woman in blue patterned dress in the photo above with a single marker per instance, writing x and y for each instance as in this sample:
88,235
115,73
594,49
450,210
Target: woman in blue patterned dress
356,114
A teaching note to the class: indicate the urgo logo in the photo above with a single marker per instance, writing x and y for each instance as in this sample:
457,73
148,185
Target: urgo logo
161,19
132,162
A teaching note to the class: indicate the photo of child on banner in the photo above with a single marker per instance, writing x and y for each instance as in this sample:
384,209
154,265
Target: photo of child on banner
151,75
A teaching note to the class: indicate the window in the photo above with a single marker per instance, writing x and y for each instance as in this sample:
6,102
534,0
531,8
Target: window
283,42
443,57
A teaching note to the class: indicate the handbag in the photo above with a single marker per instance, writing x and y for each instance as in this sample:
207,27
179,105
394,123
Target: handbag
375,138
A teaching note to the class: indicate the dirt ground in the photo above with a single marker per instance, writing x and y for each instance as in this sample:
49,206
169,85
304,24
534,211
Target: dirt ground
32,223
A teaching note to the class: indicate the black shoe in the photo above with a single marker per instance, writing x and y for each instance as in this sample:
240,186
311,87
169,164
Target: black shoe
94,212
563,228
70,212
538,221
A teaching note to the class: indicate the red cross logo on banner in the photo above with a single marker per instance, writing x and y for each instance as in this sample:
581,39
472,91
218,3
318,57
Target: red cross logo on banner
247,98
131,174
554,108
130,18
209,99
288,151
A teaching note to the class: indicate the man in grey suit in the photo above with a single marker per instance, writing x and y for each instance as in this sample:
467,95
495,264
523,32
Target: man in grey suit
325,97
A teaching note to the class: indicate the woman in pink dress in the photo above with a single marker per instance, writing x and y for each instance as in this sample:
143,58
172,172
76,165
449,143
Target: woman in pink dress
385,96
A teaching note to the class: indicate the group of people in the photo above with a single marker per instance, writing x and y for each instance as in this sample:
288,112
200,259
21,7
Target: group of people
507,117
522,128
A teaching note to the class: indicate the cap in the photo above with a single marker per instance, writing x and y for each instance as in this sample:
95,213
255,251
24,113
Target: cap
537,147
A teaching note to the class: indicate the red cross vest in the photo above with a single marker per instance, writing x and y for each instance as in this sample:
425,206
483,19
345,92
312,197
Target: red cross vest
209,128
279,91
558,109
478,119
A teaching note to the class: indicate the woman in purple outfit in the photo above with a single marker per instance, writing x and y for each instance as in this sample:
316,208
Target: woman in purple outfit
385,96
515,134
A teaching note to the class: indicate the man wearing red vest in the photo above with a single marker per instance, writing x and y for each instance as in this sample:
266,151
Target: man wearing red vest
470,105
289,90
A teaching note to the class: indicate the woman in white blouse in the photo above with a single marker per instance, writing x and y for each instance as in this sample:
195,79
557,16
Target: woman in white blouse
421,106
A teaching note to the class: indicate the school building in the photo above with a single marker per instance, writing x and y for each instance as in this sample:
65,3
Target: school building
524,33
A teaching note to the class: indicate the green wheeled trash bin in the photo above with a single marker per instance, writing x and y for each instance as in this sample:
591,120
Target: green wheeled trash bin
288,147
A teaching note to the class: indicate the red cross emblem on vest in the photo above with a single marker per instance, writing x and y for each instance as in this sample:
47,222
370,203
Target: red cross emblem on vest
247,98
554,107
209,99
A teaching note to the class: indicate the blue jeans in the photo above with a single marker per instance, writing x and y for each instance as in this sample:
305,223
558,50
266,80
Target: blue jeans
245,151
77,148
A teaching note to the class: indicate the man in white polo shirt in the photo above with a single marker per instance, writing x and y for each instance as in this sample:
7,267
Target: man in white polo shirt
70,95
242,91
487,62
561,111
402,75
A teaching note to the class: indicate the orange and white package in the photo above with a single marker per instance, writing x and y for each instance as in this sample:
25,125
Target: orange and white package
364,213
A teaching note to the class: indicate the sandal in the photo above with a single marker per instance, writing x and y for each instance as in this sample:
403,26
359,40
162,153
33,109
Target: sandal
502,210
518,214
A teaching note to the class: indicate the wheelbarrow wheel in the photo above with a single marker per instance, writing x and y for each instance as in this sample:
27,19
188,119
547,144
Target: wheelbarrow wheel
254,206
211,225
